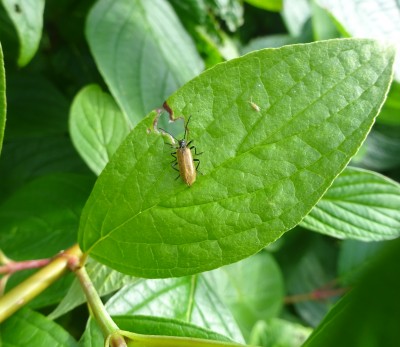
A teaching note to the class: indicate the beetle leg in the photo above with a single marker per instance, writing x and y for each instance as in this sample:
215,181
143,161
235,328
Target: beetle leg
195,150
173,155
173,164
198,163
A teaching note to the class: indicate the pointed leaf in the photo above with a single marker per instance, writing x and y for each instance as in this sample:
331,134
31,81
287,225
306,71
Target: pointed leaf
360,205
264,169
142,51
27,17
97,126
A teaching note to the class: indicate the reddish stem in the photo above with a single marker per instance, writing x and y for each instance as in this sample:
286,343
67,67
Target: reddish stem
15,266
318,294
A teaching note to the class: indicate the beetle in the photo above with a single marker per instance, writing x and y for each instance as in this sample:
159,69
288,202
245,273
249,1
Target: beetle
184,159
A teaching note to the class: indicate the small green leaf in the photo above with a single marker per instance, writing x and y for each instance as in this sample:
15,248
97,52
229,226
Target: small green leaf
104,280
377,19
142,51
97,126
270,5
252,289
360,205
28,328
2,99
189,299
27,17
263,171
277,332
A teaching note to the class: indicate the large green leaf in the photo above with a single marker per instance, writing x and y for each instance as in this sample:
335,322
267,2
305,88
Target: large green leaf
97,126
142,51
360,205
27,328
2,98
27,17
252,289
263,170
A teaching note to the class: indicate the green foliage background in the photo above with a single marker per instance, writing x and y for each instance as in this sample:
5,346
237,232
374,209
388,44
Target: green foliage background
308,177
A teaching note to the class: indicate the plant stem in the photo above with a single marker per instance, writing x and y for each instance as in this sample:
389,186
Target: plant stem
107,325
20,295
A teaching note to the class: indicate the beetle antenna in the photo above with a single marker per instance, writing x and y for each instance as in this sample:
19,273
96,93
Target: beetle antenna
186,127
168,133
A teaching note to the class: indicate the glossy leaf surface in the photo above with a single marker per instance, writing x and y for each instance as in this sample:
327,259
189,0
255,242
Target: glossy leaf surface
263,171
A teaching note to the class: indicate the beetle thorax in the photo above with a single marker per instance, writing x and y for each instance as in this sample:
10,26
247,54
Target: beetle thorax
182,143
